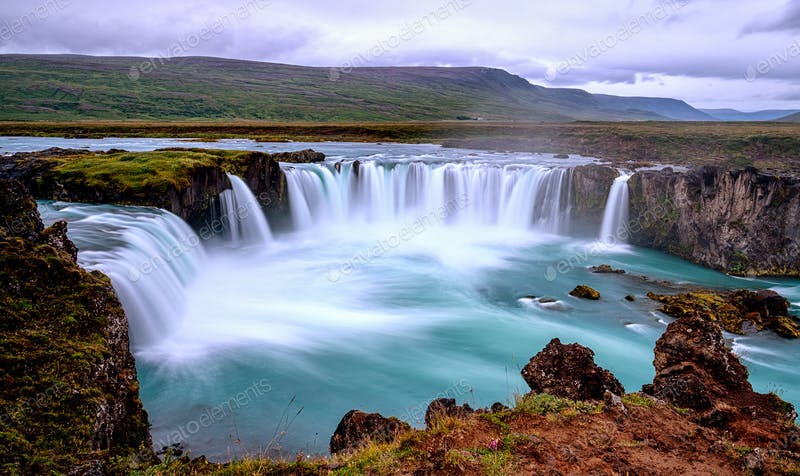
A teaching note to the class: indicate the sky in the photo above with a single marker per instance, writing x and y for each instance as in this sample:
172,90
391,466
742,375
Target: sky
742,54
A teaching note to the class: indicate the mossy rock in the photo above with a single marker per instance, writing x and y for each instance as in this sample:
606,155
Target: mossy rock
585,292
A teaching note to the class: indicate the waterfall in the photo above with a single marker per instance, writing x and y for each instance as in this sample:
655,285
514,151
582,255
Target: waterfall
615,218
150,255
244,220
480,194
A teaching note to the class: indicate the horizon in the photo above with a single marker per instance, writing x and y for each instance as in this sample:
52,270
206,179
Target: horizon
711,55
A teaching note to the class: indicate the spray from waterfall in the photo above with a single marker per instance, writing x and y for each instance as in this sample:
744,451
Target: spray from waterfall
151,256
245,223
614,229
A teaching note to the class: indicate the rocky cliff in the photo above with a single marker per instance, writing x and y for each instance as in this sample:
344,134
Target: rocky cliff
186,182
69,400
737,221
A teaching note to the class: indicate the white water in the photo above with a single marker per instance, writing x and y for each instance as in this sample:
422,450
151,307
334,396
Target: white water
459,194
151,256
245,224
349,312
614,229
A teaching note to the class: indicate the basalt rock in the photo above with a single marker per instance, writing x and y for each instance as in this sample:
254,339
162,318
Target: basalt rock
69,401
358,428
445,407
741,312
695,370
585,292
739,221
606,269
590,186
569,371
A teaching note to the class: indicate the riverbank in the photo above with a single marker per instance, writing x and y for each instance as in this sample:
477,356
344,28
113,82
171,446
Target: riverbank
768,146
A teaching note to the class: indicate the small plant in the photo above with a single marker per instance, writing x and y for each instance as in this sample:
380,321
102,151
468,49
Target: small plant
637,400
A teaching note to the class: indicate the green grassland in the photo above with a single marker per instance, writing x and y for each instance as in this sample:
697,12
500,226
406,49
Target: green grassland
768,146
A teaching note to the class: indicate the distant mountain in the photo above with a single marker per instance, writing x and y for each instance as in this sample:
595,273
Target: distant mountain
791,118
672,108
69,87
734,115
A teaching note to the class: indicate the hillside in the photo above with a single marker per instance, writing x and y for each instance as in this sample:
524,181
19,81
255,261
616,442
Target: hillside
732,115
68,87
792,118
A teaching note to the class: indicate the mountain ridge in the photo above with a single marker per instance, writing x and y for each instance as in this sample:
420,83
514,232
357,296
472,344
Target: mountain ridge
76,87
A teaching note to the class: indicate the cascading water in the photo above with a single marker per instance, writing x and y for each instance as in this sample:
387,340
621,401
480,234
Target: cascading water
150,255
615,218
516,196
242,215
261,334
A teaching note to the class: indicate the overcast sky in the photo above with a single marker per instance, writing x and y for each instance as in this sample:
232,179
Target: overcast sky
711,53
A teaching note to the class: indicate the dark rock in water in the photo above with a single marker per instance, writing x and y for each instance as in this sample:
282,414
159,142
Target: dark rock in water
561,156
766,302
695,370
569,371
590,186
530,296
300,157
630,298
445,407
606,269
547,300
585,292
742,312
358,428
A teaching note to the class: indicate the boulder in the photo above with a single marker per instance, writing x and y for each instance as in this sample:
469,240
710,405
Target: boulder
446,407
358,428
606,269
585,292
569,371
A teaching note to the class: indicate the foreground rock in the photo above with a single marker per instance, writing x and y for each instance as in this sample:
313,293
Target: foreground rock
606,269
358,428
445,407
739,312
569,371
69,397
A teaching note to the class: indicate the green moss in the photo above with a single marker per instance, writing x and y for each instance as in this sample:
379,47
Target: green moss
544,404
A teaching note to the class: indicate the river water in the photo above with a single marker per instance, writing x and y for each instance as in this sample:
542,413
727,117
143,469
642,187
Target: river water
393,286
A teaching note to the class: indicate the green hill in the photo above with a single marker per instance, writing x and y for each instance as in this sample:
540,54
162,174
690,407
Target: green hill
68,87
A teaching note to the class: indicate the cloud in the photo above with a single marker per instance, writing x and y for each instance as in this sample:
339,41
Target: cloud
788,21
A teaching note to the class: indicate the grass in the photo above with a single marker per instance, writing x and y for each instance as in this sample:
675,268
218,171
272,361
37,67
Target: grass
544,404
637,400
769,146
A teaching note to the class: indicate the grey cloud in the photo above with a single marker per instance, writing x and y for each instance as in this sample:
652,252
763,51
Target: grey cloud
789,21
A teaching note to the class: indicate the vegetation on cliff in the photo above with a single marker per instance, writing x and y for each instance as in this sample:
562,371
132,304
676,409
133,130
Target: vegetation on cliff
69,395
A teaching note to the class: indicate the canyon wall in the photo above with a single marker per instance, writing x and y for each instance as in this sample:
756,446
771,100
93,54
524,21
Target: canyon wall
738,221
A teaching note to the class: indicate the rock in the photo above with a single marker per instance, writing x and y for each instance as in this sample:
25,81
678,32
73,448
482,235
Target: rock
300,157
742,312
743,222
498,407
606,269
765,303
585,292
590,186
630,298
561,156
695,370
358,428
445,407
92,395
569,371
754,462
19,215
546,300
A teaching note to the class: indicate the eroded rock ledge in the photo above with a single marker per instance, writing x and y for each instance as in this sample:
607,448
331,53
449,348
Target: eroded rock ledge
69,398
